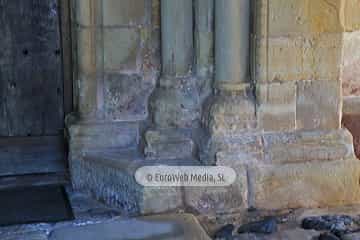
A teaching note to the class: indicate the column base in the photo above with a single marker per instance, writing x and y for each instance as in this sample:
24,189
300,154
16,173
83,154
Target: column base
231,112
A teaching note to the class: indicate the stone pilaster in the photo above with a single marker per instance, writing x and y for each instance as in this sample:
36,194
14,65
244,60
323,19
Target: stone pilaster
233,109
175,102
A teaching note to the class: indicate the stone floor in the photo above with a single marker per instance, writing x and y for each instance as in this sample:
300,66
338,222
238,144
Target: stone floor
95,221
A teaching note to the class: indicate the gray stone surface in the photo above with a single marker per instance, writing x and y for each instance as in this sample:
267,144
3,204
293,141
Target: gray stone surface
173,227
122,99
124,12
89,136
121,48
168,144
26,236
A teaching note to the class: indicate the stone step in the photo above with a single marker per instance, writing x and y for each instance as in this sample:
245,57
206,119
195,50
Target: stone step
85,137
167,227
283,148
110,177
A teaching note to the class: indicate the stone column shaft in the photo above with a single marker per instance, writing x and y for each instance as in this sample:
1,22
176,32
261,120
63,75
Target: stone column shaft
233,109
176,37
232,32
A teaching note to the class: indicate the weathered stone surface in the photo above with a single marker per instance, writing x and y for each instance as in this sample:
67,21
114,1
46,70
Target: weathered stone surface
88,99
121,48
231,114
302,17
318,105
110,178
277,106
176,106
307,146
351,15
350,73
168,144
217,200
124,12
290,147
314,57
122,99
86,54
320,184
27,236
172,227
94,136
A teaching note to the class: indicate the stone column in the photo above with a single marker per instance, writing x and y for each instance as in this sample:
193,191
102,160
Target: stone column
175,103
234,108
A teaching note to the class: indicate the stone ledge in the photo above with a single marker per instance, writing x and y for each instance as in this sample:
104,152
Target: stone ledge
312,184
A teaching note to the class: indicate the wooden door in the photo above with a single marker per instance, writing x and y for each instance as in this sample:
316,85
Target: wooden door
31,87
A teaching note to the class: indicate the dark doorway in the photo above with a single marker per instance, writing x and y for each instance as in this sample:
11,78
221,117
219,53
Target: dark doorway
32,88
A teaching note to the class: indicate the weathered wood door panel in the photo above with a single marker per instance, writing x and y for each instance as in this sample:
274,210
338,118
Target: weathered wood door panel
30,68
31,87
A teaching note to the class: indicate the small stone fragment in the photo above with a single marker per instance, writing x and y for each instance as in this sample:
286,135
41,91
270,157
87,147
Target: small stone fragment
266,226
225,232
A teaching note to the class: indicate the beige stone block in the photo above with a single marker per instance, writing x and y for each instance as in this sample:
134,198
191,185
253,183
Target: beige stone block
350,73
322,56
278,93
219,200
277,106
231,114
276,118
304,146
124,12
285,58
288,17
299,57
277,18
313,184
319,105
351,15
121,47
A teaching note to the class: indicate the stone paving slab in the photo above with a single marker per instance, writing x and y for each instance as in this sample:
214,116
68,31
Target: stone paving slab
170,227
